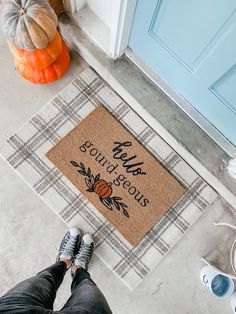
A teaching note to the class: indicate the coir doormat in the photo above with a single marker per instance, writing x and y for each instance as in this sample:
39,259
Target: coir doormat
26,152
116,173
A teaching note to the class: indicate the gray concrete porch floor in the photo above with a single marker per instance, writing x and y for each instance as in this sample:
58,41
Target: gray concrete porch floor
30,232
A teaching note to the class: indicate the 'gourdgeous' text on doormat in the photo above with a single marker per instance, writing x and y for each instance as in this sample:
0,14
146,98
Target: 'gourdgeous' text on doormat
116,173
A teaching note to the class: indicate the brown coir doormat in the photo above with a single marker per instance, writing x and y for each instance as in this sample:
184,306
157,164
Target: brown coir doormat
116,173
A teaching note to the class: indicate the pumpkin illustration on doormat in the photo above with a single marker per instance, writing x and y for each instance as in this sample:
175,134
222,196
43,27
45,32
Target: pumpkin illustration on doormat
102,188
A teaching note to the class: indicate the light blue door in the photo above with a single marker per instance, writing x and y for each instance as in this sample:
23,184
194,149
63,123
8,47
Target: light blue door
192,45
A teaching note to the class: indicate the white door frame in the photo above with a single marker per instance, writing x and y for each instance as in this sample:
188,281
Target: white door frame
122,16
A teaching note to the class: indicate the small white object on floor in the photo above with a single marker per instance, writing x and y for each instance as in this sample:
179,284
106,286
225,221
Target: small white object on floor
220,285
232,167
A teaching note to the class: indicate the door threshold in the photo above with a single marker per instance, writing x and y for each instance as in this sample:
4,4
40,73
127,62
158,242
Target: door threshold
157,109
180,101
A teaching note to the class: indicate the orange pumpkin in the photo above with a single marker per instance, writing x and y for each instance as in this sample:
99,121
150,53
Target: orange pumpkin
39,58
49,74
103,188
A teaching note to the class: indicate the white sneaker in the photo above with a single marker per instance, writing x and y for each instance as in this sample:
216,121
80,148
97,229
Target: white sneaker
69,244
84,255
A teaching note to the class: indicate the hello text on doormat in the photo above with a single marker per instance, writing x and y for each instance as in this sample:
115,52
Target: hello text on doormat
116,173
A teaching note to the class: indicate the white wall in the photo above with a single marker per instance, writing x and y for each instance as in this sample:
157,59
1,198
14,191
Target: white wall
103,9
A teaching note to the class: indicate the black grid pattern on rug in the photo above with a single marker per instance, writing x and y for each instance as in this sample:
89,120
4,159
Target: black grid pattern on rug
25,151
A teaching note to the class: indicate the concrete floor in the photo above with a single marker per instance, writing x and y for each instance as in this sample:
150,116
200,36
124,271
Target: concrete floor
31,232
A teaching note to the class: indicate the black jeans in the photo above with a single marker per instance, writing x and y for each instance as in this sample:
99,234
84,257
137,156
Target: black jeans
37,294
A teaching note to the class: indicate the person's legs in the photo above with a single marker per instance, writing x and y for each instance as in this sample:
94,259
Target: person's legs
85,295
37,292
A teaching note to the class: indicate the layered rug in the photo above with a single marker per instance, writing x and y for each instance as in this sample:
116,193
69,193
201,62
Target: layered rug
101,167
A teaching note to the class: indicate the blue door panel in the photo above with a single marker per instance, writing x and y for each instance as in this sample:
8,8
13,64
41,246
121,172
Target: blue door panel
192,45
225,88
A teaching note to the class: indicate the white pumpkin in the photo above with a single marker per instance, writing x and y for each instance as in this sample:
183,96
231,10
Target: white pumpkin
29,24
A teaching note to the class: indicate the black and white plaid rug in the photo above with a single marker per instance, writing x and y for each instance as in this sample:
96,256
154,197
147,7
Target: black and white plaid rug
26,149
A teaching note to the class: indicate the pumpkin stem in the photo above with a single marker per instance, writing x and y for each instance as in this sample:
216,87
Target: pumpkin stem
22,11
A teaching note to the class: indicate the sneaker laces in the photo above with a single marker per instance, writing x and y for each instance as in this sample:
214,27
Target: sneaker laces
68,245
85,253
